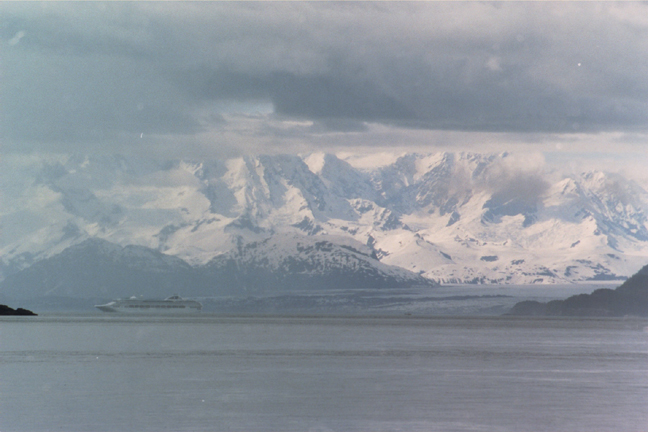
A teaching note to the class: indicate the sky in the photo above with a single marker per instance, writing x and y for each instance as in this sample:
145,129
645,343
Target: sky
568,80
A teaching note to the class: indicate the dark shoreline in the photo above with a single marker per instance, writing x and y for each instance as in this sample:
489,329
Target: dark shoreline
629,299
7,311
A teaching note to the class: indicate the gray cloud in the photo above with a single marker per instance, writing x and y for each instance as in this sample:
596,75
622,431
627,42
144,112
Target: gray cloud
105,72
308,96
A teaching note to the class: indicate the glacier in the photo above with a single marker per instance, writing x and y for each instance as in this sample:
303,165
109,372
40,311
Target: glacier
439,217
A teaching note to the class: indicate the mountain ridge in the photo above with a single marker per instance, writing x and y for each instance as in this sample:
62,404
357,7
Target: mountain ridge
97,268
448,217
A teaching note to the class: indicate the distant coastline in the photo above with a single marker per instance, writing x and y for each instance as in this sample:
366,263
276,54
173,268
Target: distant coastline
629,299
7,311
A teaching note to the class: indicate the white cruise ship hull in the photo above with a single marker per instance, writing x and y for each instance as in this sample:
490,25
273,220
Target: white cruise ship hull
171,305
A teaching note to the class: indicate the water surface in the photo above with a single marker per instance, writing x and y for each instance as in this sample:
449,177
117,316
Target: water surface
111,373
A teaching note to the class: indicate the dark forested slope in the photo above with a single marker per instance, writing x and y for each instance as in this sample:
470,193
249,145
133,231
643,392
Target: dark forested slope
631,298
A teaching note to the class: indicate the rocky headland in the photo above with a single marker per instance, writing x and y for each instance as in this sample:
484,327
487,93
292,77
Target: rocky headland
629,299
7,311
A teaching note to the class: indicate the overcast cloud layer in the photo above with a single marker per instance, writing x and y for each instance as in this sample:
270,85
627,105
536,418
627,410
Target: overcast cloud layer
222,78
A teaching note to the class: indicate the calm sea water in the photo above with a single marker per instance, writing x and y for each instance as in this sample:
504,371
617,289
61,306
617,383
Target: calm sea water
110,373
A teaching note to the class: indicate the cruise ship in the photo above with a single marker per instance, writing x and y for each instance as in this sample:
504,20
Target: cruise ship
170,305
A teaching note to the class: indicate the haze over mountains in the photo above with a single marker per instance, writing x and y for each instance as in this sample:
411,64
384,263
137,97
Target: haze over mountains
316,220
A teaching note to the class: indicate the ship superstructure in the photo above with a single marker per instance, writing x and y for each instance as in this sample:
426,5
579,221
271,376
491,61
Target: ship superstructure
173,304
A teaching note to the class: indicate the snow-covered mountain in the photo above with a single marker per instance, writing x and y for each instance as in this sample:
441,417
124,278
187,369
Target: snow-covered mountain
96,268
484,218
100,269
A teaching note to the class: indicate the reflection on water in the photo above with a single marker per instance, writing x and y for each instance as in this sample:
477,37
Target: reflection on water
99,372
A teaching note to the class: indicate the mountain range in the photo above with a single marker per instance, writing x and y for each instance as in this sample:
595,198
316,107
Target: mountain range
263,223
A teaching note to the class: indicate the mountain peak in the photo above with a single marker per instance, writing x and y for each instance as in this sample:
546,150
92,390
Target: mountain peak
469,205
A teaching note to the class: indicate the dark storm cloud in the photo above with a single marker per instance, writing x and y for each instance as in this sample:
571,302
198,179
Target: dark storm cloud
308,96
86,72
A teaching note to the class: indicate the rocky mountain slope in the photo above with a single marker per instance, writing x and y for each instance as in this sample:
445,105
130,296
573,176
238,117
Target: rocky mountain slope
629,299
450,218
100,269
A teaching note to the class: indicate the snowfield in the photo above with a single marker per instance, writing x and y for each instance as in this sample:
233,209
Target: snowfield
446,217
